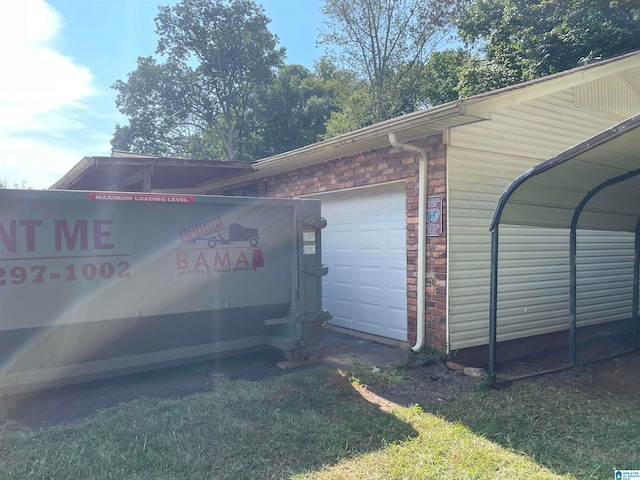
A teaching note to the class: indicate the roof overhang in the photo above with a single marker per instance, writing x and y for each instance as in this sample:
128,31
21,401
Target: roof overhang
127,172
434,120
420,124
594,185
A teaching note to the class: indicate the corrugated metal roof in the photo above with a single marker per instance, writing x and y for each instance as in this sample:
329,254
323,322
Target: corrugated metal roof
598,178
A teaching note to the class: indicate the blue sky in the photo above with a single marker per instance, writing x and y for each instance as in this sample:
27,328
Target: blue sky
60,58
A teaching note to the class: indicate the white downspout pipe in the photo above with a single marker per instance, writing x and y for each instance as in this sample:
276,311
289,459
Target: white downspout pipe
422,236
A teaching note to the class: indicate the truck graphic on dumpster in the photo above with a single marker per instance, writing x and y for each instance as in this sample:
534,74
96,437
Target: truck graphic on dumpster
215,232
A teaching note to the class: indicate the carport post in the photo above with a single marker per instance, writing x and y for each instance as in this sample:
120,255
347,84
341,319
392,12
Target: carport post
572,259
573,289
493,303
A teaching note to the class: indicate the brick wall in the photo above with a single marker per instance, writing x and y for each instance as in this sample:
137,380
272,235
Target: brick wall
376,167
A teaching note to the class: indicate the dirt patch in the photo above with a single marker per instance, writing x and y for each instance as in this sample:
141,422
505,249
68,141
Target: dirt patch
424,384
617,376
72,404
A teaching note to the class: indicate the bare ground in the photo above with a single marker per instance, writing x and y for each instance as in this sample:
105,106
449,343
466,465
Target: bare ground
72,404
427,384
617,376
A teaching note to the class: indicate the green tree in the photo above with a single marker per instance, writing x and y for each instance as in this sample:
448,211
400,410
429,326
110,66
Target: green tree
218,59
343,87
441,77
299,104
385,42
519,40
294,111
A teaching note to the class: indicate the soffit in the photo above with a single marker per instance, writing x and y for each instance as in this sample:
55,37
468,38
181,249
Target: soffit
126,173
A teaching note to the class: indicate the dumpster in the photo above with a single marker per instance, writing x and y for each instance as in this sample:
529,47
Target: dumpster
97,284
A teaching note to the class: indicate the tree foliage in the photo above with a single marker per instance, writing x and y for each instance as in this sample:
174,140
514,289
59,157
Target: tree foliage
219,56
385,42
521,40
441,76
218,86
296,107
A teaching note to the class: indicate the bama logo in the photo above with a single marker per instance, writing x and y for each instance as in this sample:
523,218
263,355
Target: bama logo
218,261
211,246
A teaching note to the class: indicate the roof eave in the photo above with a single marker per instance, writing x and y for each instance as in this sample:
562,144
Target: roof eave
363,140
74,174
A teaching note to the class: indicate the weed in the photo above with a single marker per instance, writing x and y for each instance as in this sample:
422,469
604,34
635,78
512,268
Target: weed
426,356
485,383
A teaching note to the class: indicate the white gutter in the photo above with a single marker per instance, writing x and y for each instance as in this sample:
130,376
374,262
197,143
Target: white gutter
422,236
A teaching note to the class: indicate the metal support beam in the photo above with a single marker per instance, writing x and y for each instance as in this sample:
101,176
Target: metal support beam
573,288
493,304
573,295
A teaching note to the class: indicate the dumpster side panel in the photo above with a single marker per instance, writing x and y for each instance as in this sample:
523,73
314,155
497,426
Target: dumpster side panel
94,283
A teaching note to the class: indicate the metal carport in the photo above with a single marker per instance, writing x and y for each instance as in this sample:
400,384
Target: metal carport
594,185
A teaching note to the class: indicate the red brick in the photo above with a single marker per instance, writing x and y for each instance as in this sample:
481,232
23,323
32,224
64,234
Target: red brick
380,166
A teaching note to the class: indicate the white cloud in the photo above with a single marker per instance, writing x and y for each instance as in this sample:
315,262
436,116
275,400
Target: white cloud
41,92
38,164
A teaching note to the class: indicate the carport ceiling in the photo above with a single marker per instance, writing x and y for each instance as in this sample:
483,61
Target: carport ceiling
127,172
602,173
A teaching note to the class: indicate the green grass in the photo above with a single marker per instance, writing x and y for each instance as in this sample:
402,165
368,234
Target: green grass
313,424
585,434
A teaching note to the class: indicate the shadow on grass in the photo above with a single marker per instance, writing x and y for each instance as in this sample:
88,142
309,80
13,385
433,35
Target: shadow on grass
568,422
68,405
293,424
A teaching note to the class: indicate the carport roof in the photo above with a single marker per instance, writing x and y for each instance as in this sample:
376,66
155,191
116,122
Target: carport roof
125,170
598,178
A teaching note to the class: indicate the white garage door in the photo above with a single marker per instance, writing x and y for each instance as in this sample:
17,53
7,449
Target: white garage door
364,245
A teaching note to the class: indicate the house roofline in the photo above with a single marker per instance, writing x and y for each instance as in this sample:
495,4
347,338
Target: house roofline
468,110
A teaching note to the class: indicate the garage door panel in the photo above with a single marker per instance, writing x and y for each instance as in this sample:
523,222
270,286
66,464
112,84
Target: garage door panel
381,279
342,278
397,282
371,241
371,279
340,240
367,310
364,245
344,309
397,242
398,320
370,314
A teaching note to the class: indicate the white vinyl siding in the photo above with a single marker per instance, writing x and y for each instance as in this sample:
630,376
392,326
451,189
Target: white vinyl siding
611,94
483,159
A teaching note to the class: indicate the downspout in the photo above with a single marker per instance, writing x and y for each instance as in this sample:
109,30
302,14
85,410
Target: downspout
422,236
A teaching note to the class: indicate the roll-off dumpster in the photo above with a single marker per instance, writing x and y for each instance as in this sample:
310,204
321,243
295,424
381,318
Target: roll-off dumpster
96,284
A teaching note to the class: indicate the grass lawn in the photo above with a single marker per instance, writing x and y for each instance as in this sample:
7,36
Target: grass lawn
314,424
